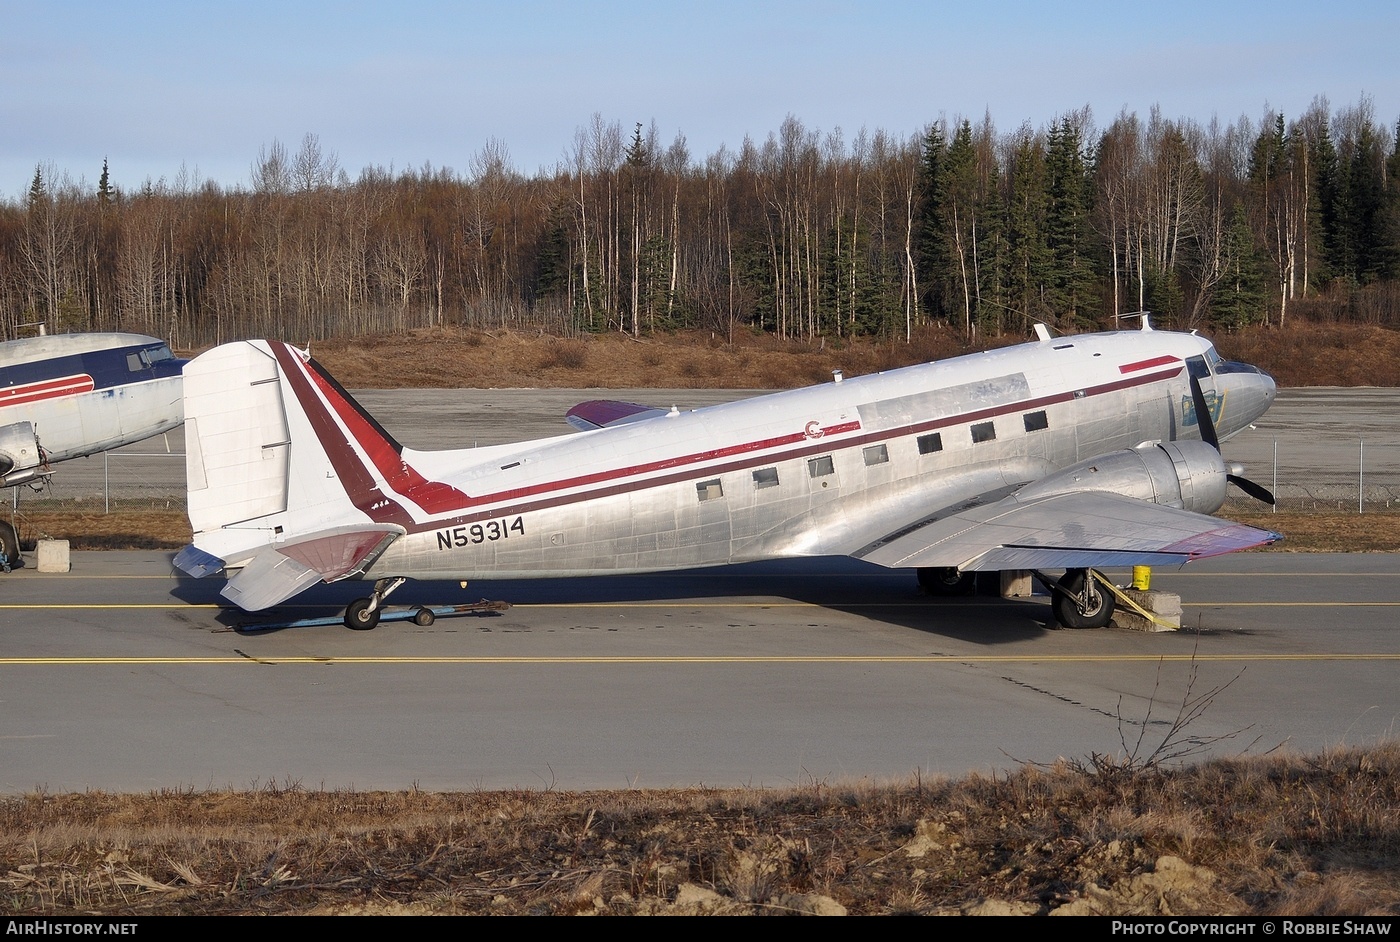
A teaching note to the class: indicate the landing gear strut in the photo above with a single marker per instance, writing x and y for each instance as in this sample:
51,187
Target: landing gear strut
1080,602
363,614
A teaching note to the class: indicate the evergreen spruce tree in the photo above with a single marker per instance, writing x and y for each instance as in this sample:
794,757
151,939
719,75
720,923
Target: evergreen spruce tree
104,186
1240,297
931,259
1388,231
1325,190
1067,236
1028,254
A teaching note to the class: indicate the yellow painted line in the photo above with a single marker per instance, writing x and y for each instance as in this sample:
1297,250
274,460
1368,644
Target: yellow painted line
699,659
931,606
20,606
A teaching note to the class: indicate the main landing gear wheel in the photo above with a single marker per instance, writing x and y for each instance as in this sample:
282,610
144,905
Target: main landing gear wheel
1080,602
946,580
361,615
9,545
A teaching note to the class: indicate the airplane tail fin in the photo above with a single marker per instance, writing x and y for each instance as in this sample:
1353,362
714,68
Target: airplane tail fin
288,477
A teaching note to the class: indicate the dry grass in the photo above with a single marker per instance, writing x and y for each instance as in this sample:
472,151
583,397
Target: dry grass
1275,835
1302,355
451,358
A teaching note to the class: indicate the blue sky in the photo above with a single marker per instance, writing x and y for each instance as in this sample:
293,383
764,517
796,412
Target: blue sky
157,86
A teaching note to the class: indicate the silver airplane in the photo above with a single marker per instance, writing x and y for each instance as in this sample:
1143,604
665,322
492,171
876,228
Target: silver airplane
68,396
1062,453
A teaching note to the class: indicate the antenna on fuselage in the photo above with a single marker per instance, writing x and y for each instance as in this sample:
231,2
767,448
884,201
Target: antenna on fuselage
1146,324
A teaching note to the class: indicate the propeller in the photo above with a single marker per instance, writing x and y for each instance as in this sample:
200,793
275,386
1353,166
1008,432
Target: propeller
1208,435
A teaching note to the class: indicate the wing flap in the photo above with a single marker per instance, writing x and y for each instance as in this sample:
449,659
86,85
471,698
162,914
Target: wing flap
1078,529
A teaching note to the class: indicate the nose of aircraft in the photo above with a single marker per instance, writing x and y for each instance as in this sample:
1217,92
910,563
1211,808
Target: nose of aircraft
1248,390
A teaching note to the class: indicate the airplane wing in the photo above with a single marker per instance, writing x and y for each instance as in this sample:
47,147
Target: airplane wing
1068,530
277,572
605,413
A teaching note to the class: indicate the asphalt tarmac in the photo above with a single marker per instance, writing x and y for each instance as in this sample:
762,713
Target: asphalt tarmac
121,676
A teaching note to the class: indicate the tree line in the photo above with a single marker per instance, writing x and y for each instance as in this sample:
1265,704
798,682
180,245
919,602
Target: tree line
806,234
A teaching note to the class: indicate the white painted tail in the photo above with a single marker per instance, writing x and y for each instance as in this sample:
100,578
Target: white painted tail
286,474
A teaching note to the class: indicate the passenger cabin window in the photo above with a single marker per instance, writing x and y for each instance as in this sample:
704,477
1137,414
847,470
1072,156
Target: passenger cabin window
1035,421
765,477
710,490
876,454
928,444
984,432
821,467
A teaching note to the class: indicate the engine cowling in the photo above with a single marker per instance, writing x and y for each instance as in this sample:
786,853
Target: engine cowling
19,449
1187,474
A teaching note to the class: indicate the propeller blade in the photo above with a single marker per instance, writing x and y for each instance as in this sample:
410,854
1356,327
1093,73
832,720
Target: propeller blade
1257,491
1203,417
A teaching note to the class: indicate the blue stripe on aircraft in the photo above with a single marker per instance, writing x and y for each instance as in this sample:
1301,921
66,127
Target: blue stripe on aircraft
108,368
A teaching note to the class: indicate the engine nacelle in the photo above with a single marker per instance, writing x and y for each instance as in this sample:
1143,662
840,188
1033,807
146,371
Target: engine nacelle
19,447
1190,475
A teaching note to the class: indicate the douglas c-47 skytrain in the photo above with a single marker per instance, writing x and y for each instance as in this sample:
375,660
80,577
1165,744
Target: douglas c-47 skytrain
71,395
1064,453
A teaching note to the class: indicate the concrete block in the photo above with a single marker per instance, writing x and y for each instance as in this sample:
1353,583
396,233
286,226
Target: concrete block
1164,606
53,556
1016,584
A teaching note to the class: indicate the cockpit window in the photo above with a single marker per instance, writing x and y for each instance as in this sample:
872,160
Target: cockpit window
145,359
1214,359
1197,367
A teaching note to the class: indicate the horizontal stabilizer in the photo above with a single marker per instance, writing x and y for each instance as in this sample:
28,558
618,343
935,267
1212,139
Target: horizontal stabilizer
605,413
270,578
338,554
195,562
1074,530
279,572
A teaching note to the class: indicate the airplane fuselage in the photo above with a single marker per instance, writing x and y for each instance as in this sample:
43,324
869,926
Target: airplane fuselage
70,395
804,472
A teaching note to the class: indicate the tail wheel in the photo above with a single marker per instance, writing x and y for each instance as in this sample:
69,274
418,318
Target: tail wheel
1080,602
360,616
946,580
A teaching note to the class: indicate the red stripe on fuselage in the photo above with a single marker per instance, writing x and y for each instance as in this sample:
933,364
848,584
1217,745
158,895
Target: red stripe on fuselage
433,497
48,389
1148,364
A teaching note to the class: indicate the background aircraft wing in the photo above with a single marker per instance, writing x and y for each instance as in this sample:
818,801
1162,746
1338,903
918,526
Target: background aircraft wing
1071,530
605,413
